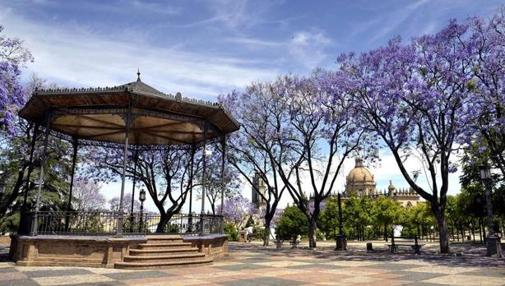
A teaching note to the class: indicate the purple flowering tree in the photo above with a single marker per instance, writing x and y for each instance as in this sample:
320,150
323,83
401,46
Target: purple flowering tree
87,196
415,97
19,176
164,173
12,94
487,45
237,209
115,201
302,129
214,182
324,134
260,109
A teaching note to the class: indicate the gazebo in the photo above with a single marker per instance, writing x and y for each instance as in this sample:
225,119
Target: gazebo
132,116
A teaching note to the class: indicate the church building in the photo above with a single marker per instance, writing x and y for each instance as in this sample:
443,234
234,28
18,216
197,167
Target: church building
361,182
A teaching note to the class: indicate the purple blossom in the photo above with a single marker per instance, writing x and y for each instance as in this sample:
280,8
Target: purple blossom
237,209
12,94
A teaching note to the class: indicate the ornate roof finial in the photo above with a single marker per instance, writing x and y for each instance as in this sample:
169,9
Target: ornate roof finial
358,162
138,74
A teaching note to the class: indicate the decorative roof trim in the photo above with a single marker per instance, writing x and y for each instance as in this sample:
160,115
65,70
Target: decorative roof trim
129,87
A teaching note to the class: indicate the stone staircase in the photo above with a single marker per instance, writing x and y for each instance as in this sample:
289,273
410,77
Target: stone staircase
163,251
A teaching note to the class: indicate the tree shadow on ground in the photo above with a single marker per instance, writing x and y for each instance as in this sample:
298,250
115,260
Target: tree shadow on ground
461,255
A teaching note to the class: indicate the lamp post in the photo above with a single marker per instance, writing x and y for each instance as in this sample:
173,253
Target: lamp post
142,198
1,185
341,241
493,243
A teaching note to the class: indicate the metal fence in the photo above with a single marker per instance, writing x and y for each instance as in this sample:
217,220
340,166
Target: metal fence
106,223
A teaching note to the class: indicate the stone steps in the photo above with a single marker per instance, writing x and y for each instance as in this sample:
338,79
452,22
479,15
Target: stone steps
164,240
162,258
149,252
164,245
163,251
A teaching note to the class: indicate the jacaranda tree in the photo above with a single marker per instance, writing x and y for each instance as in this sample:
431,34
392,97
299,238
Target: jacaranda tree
324,132
259,144
12,94
415,97
237,209
165,174
487,47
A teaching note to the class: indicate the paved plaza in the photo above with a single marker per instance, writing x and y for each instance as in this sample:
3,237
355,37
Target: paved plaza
253,265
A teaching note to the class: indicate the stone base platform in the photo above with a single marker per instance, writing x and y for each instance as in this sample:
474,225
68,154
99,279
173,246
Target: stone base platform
213,245
97,251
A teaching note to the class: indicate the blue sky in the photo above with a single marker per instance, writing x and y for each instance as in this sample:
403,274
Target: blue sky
208,47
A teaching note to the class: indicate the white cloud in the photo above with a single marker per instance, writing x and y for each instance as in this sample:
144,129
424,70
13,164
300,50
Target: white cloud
394,19
74,56
309,47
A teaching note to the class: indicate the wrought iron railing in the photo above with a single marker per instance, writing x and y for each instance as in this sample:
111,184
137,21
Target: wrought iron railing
106,223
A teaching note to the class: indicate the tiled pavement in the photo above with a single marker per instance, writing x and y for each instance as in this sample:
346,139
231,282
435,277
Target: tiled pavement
248,265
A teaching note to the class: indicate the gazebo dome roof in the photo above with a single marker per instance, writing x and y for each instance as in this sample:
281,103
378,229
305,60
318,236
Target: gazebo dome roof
100,114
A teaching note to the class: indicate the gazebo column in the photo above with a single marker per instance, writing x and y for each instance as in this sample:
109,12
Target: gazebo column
191,174
24,209
119,229
223,171
223,179
43,160
204,176
75,145
135,162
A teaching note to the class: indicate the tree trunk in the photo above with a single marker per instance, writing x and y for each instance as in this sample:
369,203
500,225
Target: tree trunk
266,235
312,232
442,231
164,219
6,202
472,231
480,231
385,232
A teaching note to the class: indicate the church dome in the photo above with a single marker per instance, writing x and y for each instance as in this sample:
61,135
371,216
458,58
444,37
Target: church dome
360,174
360,180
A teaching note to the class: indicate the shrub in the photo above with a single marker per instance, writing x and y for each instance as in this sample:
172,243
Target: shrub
292,223
258,232
231,231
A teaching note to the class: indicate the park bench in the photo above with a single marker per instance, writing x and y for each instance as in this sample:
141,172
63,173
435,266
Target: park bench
399,241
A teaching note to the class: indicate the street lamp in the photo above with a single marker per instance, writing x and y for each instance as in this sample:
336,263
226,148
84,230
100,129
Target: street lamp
1,185
142,198
493,243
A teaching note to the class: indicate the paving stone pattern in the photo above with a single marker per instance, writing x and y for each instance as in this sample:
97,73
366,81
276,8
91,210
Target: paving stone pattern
250,266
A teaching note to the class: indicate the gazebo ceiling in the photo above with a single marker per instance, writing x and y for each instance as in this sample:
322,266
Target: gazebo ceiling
100,114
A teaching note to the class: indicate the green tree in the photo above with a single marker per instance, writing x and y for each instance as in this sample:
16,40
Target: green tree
292,222
419,219
385,213
357,215
328,220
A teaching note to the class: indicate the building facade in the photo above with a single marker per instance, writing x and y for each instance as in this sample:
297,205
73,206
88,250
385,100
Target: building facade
361,182
258,201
